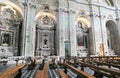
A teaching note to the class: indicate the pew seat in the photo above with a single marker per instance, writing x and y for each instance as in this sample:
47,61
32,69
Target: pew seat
38,74
62,74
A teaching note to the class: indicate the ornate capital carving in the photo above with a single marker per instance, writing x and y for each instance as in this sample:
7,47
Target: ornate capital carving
72,11
96,15
102,16
32,5
62,10
25,4
91,15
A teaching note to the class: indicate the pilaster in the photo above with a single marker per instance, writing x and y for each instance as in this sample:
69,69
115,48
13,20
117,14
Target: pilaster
29,28
103,31
72,32
61,32
92,29
118,26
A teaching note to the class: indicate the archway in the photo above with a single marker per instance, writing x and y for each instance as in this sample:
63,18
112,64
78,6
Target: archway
10,30
82,34
45,35
112,34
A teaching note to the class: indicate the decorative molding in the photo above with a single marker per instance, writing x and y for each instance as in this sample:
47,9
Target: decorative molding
25,4
102,16
32,5
72,11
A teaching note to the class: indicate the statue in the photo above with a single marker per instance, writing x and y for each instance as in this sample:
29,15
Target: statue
46,20
45,41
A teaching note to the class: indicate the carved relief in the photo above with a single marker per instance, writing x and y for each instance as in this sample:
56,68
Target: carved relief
46,20
8,16
81,27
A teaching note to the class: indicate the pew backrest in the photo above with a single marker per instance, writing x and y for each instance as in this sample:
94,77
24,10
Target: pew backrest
80,72
11,72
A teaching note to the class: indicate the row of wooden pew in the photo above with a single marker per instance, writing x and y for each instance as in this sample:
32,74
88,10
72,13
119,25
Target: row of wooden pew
13,72
75,67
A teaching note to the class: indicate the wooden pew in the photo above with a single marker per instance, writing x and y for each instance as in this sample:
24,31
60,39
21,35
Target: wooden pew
62,74
112,72
43,73
100,58
38,74
81,73
107,64
11,73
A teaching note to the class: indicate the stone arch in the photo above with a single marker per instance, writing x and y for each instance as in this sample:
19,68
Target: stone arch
110,2
47,17
11,22
45,33
112,34
82,34
12,4
84,19
43,14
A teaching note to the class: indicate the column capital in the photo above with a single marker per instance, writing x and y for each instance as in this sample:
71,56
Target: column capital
97,15
72,11
102,16
25,4
32,5
63,10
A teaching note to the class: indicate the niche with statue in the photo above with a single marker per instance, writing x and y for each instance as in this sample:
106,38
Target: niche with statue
6,39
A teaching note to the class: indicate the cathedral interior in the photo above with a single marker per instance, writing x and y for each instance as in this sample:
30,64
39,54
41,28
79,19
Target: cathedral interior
59,39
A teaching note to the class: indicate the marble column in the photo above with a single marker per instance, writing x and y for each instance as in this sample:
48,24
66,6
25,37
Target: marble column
33,28
61,32
103,31
118,26
29,29
72,32
92,29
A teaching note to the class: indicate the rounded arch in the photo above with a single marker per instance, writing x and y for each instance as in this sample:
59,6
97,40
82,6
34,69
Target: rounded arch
110,2
110,17
43,14
45,33
82,35
112,36
84,20
6,2
111,25
11,23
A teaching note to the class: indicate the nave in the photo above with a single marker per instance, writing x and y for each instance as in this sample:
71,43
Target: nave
59,67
